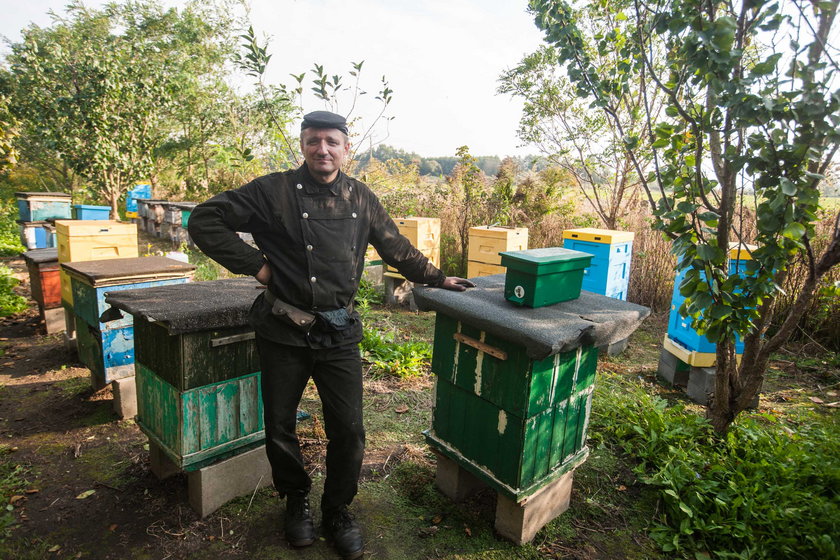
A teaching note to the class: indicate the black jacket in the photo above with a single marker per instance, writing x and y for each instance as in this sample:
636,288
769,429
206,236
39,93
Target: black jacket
314,238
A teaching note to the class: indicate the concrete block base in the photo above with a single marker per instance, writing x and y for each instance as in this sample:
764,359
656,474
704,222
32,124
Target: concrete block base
701,384
453,481
520,521
53,319
69,328
672,370
161,465
215,485
125,397
615,348
516,521
398,291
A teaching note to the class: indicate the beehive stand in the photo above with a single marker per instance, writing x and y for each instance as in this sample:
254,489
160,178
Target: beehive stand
513,394
198,386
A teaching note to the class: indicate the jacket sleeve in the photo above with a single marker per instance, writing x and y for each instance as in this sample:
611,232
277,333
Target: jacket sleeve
396,250
213,225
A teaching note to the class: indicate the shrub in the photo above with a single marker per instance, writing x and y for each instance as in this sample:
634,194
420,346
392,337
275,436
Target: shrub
10,302
764,490
9,231
399,359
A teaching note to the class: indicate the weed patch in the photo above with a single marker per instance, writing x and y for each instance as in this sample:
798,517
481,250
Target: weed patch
767,488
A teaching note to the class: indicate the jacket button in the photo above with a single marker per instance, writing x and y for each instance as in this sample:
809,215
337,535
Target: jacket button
354,214
299,186
309,247
313,279
305,215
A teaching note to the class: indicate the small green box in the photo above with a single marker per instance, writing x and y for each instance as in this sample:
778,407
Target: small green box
540,277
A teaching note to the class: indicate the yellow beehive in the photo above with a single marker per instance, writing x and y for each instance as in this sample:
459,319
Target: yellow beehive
90,240
424,233
486,242
476,269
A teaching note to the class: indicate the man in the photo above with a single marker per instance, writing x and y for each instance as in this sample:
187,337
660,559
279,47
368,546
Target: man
312,226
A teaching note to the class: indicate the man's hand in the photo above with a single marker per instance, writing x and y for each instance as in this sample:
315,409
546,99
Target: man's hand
264,275
456,284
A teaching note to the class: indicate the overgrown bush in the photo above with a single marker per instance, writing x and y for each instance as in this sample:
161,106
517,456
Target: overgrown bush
767,489
9,230
10,302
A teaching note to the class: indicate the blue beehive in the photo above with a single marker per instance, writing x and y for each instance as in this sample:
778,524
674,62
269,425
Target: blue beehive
40,206
37,235
609,272
107,347
89,212
680,330
139,191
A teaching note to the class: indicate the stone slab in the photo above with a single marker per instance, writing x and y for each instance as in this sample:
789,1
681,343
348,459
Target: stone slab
701,384
161,465
453,481
215,485
520,521
54,320
125,397
591,319
672,370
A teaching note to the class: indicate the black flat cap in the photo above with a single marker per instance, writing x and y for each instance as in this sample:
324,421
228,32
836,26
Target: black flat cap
324,119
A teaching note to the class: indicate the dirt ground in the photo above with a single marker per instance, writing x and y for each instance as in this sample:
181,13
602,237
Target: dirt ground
88,490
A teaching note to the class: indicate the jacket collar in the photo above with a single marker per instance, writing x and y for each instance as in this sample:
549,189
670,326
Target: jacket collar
311,186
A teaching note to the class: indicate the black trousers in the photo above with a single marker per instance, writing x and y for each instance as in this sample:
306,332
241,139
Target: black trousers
337,373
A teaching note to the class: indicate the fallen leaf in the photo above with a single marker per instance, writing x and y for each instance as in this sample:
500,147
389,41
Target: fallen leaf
56,548
32,491
113,527
437,519
817,400
427,531
15,499
77,451
621,488
833,404
85,494
402,409
468,531
15,448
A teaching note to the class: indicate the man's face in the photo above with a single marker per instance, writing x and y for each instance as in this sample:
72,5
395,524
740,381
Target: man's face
324,150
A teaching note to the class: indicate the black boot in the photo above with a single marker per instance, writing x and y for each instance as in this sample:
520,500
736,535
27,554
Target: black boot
340,527
298,522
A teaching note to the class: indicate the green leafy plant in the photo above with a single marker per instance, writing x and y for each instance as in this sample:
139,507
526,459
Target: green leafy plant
10,302
9,232
768,489
399,359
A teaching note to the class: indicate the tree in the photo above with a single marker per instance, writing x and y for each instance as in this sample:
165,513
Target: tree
749,109
582,141
105,89
332,90
8,132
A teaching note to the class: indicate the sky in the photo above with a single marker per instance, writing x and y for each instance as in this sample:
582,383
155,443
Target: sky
442,58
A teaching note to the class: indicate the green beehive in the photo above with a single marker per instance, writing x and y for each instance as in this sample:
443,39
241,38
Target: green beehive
520,418
514,385
540,277
197,372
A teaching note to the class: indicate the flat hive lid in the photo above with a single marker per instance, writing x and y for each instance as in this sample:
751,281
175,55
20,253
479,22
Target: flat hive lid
191,307
60,195
110,272
546,260
592,319
184,205
41,256
597,235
